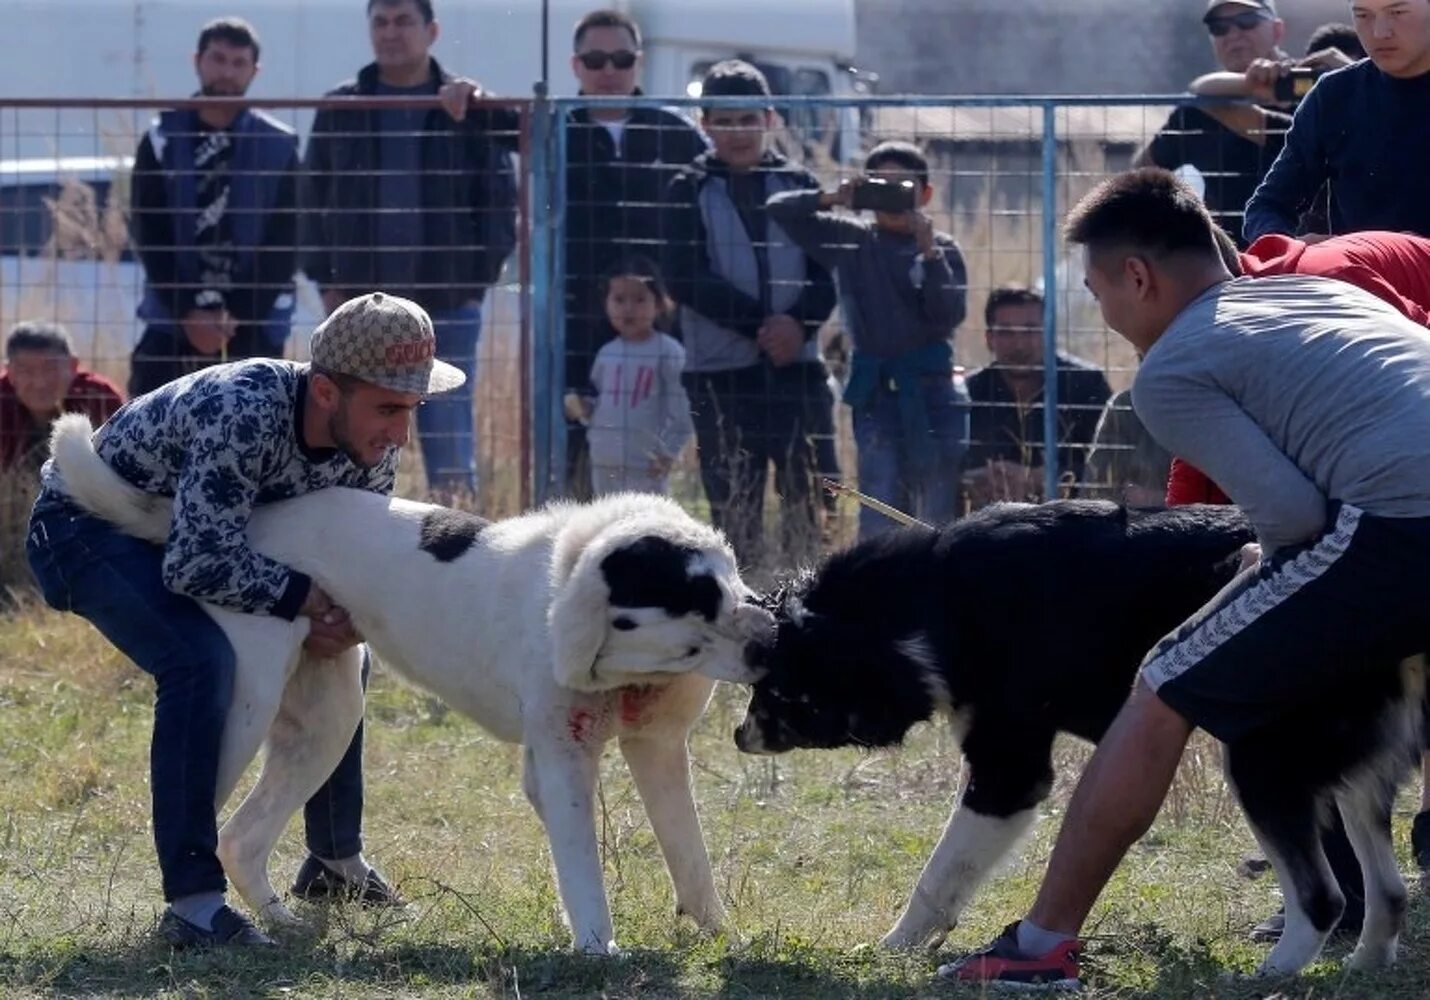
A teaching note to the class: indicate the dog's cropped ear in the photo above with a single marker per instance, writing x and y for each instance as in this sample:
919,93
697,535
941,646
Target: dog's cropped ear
577,620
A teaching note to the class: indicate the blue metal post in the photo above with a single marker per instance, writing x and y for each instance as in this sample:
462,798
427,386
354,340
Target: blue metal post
539,377
556,337
1050,300
548,282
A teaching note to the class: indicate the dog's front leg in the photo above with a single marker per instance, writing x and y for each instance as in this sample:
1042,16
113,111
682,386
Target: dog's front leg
971,845
660,764
560,781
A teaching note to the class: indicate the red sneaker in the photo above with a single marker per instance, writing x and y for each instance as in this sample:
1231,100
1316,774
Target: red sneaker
1003,965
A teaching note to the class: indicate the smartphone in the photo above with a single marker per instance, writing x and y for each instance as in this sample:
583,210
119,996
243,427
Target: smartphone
877,194
1296,84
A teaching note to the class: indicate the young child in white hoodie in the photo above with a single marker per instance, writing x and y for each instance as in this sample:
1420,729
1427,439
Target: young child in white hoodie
640,418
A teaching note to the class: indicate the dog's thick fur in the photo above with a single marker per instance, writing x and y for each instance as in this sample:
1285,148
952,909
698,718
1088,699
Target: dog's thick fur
557,630
1022,622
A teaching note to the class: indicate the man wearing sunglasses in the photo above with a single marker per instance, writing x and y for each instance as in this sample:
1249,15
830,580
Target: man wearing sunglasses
1204,144
1363,132
619,162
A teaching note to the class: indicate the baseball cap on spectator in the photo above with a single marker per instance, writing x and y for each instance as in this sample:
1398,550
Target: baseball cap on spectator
386,341
1267,5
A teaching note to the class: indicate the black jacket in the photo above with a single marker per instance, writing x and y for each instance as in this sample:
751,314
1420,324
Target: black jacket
686,263
613,208
469,200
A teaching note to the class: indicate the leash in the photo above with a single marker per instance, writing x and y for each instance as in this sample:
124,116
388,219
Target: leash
893,513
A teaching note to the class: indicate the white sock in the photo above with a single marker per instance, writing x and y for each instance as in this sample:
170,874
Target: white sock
1034,940
353,870
199,909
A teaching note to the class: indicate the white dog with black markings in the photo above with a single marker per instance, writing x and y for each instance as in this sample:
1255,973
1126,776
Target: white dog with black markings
558,630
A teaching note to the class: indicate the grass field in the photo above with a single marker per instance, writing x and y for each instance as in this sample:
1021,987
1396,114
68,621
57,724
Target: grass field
813,853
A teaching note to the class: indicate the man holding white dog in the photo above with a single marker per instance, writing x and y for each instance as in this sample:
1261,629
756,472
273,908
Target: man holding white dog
220,442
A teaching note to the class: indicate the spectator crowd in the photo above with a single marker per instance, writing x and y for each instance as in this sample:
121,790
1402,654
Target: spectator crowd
705,270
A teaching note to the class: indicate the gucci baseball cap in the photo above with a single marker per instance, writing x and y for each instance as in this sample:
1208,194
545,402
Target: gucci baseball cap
385,340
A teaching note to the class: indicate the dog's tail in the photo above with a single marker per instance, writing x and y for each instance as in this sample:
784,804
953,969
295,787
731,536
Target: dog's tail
90,482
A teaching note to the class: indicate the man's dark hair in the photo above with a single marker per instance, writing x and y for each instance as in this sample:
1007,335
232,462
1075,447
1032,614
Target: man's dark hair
734,78
606,18
1148,211
1336,36
898,153
234,31
38,335
1230,255
424,7
345,382
1010,294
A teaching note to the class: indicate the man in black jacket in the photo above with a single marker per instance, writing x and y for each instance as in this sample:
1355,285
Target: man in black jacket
618,164
213,218
411,202
751,305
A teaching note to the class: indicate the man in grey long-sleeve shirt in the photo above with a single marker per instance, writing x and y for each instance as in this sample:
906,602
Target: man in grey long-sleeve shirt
1308,401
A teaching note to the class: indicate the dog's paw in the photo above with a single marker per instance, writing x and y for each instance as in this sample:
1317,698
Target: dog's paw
596,949
276,916
1370,957
914,938
710,918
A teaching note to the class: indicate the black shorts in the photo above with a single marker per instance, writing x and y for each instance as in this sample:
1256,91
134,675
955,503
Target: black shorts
1301,626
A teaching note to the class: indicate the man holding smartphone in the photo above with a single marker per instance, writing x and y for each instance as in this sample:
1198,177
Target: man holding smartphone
904,290
1361,131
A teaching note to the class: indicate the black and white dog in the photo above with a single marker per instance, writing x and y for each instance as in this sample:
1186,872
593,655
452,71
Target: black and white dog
1022,622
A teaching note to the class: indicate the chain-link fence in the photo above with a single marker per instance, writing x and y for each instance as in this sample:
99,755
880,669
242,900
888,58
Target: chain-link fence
810,334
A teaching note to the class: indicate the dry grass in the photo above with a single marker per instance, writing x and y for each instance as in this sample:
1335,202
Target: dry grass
813,853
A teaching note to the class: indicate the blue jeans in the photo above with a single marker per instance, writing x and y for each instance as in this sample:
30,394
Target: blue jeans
87,566
885,473
446,428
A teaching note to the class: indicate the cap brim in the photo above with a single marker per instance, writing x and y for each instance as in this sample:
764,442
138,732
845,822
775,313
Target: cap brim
444,377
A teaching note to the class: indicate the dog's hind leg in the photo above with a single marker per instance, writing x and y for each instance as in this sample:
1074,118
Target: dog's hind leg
997,810
560,782
266,651
1365,807
319,713
660,765
1287,818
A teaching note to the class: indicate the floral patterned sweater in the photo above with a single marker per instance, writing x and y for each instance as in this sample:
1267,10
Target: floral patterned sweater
220,442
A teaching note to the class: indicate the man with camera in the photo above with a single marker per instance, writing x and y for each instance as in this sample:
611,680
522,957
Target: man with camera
1224,151
904,290
1362,131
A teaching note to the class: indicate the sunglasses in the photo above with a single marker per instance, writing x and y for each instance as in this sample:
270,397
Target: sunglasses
1247,21
596,59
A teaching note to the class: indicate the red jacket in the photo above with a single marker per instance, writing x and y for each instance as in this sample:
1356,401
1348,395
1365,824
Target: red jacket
89,393
1394,267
